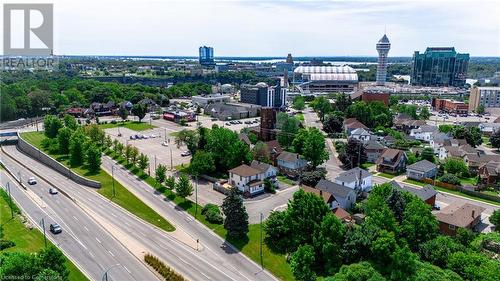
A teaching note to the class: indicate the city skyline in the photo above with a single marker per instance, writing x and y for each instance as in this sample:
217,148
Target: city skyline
267,28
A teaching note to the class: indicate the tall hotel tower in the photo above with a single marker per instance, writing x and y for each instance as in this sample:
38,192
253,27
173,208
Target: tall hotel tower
383,47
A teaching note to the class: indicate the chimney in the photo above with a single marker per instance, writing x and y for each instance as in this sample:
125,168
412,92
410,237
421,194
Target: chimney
320,192
473,213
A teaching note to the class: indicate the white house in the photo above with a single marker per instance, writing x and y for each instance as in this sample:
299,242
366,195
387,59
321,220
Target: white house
268,170
424,132
291,164
247,179
439,140
360,134
356,178
489,128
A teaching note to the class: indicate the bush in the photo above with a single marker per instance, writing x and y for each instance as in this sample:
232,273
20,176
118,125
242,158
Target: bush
5,244
51,145
212,213
450,178
164,270
113,121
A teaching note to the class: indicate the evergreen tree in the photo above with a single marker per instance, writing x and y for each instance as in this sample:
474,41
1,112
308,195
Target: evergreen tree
236,222
184,188
93,154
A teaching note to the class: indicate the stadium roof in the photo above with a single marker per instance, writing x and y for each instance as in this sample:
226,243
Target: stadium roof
325,70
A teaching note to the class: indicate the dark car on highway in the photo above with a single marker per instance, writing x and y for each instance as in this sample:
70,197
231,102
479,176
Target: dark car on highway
55,228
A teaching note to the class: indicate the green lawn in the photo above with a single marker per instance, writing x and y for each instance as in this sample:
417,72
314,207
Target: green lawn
124,198
415,182
300,116
385,175
250,245
468,181
27,240
286,180
367,165
132,125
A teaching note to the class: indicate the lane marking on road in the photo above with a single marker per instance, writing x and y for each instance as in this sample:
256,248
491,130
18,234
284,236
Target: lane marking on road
183,260
75,218
111,253
86,228
98,240
205,275
90,253
113,214
127,270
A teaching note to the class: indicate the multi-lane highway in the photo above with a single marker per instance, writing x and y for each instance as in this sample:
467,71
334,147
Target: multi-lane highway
215,260
86,243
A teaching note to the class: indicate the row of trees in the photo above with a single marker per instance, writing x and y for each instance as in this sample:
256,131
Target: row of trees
397,241
83,144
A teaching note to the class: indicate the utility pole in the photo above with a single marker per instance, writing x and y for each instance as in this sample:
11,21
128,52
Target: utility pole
171,162
196,196
359,153
261,256
44,234
10,200
155,162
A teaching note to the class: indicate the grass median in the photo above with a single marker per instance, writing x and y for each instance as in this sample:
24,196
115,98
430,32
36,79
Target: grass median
123,197
27,240
132,125
249,245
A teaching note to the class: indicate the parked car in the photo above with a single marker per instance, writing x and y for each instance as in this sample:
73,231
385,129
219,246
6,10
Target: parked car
436,207
185,153
32,181
228,124
53,191
133,137
213,119
164,143
55,228
248,122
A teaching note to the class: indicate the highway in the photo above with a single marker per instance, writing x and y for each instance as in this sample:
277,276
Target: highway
214,261
91,247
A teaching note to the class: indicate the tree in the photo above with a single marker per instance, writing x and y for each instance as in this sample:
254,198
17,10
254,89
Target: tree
404,264
269,186
260,152
428,271
52,124
188,137
227,149
48,275
160,173
328,240
450,178
93,158
289,128
277,232
70,122
202,137
353,152
184,188
397,203
170,182
428,154
472,135
63,137
139,110
143,161
202,163
372,115
495,219
495,140
306,212
76,150
128,152
302,262
333,124
408,109
342,102
362,271
311,178
480,109
419,225
445,128
322,106
134,153
311,143
123,113
465,236
53,259
299,103
473,266
437,250
424,113
383,247
456,166
96,134
236,221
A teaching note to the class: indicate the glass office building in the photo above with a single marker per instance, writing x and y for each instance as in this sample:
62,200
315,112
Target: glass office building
206,55
439,67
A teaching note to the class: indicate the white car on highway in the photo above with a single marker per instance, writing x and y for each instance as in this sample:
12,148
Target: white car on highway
31,181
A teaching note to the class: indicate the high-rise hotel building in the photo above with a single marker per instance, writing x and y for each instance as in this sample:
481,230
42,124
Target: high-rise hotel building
383,47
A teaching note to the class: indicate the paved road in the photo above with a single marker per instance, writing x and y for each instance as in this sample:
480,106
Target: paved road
91,247
274,202
216,261
215,248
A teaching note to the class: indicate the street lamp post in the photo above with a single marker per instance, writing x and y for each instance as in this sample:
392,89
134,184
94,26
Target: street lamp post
196,197
105,275
44,234
10,199
261,255
171,161
113,176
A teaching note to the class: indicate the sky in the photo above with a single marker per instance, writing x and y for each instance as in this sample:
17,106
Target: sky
272,28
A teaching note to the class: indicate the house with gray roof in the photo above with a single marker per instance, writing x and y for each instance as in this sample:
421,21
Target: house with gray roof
424,132
426,194
373,150
360,134
291,164
356,178
423,169
344,197
267,170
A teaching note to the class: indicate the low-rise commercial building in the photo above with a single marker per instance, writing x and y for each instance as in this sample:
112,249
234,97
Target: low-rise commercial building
450,106
204,100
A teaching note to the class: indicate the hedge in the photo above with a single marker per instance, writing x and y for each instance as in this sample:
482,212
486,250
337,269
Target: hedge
164,270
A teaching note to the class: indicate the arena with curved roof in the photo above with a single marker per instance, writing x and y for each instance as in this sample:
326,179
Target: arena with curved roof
312,79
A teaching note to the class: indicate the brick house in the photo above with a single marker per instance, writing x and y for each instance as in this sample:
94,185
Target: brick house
392,161
458,216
